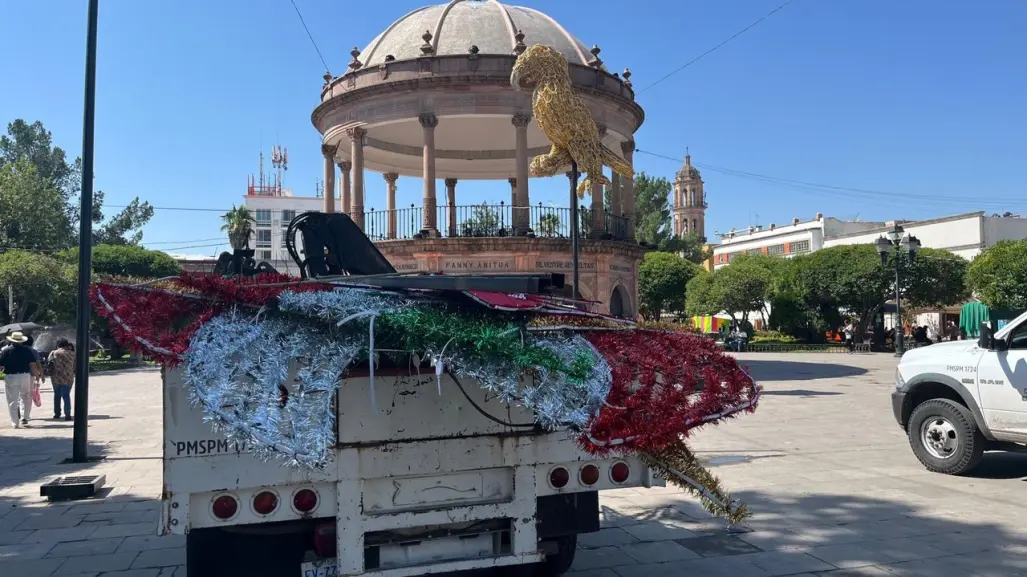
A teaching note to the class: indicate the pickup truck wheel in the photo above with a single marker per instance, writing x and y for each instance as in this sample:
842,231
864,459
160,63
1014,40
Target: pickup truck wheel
560,562
944,437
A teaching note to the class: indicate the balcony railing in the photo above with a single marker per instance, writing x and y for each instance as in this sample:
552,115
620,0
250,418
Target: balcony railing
489,221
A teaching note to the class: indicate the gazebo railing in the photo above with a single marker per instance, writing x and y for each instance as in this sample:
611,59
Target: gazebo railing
491,220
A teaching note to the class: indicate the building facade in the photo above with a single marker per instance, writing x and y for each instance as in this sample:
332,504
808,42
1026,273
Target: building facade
799,237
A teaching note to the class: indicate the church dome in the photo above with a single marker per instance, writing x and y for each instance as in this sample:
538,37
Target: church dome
456,26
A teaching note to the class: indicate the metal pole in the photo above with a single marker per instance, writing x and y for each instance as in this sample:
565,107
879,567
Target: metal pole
574,227
898,309
85,245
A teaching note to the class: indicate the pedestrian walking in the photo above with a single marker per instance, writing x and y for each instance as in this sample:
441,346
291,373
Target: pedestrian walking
850,331
61,365
18,361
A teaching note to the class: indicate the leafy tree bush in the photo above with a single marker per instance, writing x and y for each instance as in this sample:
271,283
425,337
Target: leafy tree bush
998,276
662,280
127,261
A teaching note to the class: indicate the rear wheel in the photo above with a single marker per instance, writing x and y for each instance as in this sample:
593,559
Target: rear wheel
560,562
944,437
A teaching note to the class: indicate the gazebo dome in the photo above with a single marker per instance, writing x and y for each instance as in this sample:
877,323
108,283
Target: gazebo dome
456,26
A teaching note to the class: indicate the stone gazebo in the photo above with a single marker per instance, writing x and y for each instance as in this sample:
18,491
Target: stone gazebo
430,97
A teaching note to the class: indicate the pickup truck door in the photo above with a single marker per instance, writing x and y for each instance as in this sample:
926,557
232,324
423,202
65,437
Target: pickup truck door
1002,384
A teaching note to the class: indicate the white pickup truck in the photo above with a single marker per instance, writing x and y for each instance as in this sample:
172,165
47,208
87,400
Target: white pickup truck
958,399
429,484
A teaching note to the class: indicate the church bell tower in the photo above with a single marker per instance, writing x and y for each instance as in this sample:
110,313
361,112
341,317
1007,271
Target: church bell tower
689,201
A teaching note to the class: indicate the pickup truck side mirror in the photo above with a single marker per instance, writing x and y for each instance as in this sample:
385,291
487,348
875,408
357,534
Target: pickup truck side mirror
987,339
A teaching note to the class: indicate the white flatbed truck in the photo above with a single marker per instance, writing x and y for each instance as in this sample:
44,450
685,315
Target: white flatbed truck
431,483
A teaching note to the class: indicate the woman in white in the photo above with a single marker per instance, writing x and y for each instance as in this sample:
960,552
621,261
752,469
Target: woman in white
18,362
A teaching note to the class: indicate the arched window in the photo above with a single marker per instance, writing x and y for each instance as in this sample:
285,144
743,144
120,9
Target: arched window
693,225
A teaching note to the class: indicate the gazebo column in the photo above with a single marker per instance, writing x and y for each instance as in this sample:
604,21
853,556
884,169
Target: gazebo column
615,203
344,196
451,207
428,124
520,202
328,151
598,217
390,204
357,158
628,193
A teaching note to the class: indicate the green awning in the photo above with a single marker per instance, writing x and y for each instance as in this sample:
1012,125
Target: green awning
971,316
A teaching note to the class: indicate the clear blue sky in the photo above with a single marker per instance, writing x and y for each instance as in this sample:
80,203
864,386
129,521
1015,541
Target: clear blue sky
923,99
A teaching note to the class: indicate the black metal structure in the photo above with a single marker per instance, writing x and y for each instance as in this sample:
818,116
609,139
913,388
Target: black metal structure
575,286
79,443
334,246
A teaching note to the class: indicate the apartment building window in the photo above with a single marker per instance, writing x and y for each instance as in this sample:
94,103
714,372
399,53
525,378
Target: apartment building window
798,247
287,216
776,250
732,256
263,255
754,251
263,217
264,238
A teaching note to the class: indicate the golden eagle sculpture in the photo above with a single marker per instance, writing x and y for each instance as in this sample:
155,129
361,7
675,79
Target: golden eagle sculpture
564,119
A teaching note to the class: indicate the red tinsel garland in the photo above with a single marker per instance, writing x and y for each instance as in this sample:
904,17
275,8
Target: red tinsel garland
167,318
664,385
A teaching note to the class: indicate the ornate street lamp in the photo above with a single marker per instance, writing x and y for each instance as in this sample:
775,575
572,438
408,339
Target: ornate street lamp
900,246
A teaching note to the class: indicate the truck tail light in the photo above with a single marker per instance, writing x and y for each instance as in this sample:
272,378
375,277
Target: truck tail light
589,475
619,472
304,500
265,503
324,540
225,507
559,477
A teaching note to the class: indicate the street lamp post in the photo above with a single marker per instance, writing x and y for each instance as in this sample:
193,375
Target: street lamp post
898,246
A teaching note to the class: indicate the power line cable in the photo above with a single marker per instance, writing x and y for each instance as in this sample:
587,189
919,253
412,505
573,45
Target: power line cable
711,50
310,36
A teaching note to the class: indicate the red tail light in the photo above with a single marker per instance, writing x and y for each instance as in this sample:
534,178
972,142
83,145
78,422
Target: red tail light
225,507
324,540
559,477
305,500
265,503
589,475
620,472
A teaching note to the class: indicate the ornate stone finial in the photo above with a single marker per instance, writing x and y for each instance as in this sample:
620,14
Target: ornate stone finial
328,150
450,182
519,46
355,64
596,62
428,120
427,48
328,77
390,58
473,50
390,178
345,166
520,120
627,77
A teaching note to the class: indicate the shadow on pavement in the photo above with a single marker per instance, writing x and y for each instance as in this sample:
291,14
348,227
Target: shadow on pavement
820,534
768,370
802,393
1000,465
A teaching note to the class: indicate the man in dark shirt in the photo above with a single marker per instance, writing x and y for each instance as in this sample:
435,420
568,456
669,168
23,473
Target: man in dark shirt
18,361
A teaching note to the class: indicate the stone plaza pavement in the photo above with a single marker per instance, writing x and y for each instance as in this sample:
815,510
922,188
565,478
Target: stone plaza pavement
830,478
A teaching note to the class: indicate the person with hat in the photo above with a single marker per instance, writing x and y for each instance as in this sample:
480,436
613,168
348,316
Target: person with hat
19,364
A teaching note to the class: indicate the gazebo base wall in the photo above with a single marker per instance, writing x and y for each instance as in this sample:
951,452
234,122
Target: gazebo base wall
608,269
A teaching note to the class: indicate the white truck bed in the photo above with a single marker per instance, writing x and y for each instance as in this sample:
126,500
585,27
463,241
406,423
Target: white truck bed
425,485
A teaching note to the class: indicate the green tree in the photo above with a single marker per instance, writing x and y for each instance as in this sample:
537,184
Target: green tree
33,144
998,276
662,281
935,279
43,286
484,221
691,247
32,214
548,225
799,308
238,223
737,291
851,277
652,210
127,261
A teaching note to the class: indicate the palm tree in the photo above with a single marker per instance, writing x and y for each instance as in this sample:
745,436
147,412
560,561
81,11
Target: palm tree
239,226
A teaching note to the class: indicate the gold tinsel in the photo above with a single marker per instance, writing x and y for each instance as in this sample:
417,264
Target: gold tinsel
680,466
564,119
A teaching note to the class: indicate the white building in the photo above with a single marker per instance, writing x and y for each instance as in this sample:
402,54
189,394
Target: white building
272,212
963,234
787,240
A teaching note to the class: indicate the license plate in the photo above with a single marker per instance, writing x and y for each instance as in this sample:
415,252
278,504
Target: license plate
319,568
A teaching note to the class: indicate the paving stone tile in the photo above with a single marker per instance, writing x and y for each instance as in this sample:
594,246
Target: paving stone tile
149,542
786,562
49,519
25,551
13,537
658,552
600,558
160,558
125,530
585,573
96,563
59,535
718,546
658,531
87,547
606,538
29,567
